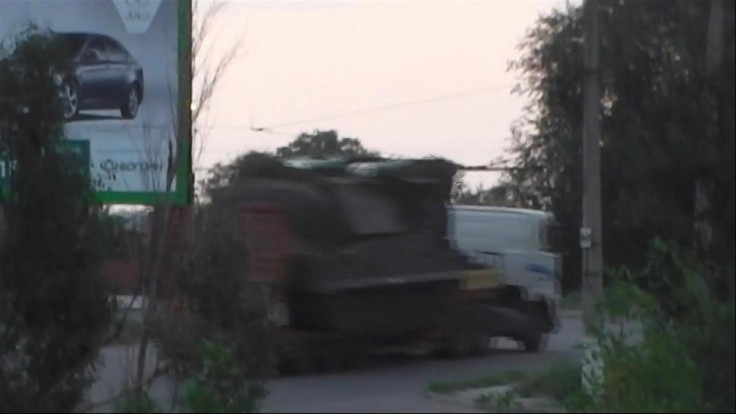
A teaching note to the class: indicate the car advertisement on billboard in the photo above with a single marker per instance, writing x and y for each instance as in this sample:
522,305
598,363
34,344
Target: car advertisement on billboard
125,90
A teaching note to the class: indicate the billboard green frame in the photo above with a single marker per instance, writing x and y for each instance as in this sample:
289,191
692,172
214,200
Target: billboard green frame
183,193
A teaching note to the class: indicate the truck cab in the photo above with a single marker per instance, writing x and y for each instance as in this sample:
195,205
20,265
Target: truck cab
513,241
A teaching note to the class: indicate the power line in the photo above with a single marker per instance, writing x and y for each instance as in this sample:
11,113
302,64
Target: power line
489,168
391,106
270,128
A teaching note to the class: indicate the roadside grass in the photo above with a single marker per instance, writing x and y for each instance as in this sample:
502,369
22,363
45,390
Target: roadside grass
448,387
504,402
558,381
137,404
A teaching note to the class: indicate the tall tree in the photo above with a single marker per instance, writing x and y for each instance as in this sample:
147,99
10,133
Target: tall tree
319,144
54,308
323,144
666,120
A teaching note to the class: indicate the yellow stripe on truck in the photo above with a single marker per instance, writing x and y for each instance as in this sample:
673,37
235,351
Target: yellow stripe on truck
479,279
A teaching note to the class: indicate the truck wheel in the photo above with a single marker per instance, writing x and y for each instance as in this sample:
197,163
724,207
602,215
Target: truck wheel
452,349
292,365
463,346
533,342
481,345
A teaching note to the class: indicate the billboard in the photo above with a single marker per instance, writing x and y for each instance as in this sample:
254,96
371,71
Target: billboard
127,91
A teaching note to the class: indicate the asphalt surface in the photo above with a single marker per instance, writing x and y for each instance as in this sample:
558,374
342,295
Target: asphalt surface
395,383
398,384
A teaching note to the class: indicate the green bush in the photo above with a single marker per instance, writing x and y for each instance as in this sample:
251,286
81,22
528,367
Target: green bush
557,381
218,385
448,387
505,402
141,403
684,361
226,310
224,373
54,309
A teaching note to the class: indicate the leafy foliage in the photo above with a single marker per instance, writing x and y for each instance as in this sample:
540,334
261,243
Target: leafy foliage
504,402
53,305
448,387
671,350
666,122
140,403
557,381
217,386
224,176
225,308
323,144
318,145
684,361
224,305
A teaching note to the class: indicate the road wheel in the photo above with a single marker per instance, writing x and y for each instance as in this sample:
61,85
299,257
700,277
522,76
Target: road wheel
289,365
70,97
327,362
459,346
297,361
481,345
129,108
533,342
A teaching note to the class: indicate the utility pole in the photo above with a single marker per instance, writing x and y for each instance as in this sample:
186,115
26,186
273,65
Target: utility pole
702,229
591,232
5,165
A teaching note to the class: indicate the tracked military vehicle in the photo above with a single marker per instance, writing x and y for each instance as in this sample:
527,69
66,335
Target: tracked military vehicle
354,252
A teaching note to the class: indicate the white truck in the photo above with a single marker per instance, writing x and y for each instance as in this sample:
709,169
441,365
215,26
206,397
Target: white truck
515,243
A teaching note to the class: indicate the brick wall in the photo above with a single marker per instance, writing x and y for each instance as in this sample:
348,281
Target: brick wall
122,275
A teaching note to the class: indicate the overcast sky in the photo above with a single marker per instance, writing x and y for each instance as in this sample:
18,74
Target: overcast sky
326,62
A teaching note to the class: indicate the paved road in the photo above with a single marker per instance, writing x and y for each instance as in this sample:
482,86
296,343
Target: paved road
398,385
395,385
